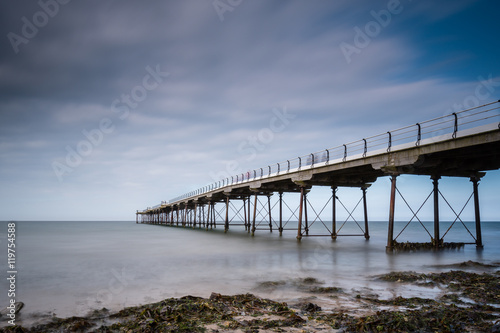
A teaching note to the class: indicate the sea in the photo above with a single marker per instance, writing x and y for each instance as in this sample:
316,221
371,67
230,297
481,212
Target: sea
65,269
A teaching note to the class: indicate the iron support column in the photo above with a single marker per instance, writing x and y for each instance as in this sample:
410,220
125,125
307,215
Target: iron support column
367,233
214,218
299,228
435,182
479,237
194,219
245,213
392,206
254,214
226,223
269,209
281,214
184,216
334,213
249,216
208,216
306,229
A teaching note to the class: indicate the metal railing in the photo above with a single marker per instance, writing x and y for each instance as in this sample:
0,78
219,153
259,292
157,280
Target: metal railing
434,130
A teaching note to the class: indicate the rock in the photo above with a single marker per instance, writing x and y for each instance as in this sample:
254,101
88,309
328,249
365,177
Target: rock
310,307
215,296
7,310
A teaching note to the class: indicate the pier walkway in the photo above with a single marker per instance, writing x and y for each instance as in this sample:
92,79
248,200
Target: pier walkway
462,144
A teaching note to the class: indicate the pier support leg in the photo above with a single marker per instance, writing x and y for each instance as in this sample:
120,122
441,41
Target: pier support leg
479,237
299,228
226,222
392,206
245,213
184,216
137,217
254,214
435,182
214,222
281,214
249,216
334,213
306,221
365,210
269,212
194,218
207,224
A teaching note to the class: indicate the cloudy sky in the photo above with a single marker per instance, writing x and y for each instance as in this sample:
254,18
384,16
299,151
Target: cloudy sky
107,107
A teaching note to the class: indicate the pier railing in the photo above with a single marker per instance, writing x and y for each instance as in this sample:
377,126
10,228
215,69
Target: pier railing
474,120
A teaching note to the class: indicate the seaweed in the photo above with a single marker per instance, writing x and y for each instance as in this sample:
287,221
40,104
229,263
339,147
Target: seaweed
249,313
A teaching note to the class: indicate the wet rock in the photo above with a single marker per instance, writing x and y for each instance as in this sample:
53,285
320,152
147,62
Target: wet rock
215,296
11,309
310,307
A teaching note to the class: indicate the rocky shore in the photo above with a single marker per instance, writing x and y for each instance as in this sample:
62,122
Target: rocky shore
468,302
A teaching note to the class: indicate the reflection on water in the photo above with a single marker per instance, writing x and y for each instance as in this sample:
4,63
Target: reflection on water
69,268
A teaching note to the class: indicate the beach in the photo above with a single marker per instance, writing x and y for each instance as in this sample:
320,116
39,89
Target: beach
467,302
95,270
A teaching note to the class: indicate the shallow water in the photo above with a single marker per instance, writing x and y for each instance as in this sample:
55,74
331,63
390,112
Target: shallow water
70,268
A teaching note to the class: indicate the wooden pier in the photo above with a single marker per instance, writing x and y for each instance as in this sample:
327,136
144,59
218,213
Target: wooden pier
463,144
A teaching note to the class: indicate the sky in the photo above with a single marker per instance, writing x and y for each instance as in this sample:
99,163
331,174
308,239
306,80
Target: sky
108,107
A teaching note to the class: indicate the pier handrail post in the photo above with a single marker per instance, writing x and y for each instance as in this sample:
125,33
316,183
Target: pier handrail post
389,144
419,135
455,126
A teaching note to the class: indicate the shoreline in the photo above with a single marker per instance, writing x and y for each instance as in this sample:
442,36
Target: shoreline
469,301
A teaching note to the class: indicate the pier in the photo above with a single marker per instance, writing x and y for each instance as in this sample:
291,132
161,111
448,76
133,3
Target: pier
462,144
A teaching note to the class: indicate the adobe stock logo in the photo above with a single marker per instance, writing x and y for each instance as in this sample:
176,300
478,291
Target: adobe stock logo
30,28
373,28
253,144
122,108
222,6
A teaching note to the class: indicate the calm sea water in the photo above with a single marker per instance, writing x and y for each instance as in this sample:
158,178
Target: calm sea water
70,268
